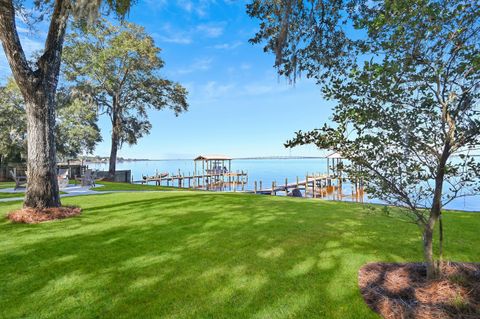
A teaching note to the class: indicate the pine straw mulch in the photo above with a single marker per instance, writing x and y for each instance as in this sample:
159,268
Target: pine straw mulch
402,291
35,216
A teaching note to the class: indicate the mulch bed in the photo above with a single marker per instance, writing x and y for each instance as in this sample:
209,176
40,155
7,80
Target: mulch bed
402,291
34,216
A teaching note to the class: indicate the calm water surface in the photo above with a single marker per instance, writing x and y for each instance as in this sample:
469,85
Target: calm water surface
265,170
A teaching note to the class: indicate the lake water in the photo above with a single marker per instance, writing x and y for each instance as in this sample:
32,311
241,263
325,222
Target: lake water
267,171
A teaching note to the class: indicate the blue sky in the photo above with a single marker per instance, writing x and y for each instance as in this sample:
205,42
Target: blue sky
238,105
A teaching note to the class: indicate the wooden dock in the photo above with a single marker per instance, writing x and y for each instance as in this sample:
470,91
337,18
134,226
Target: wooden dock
317,183
205,181
214,175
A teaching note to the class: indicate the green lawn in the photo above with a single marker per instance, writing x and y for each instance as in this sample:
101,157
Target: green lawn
206,255
7,184
11,195
113,186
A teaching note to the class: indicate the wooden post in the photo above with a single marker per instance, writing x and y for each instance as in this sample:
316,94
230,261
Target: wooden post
273,188
297,181
260,185
203,173
313,187
234,187
255,187
306,185
328,166
286,186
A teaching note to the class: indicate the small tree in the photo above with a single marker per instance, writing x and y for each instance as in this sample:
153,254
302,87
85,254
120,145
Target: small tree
38,83
407,91
118,66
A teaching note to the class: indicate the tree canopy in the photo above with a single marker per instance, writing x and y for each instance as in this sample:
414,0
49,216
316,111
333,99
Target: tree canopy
12,122
38,81
76,129
118,66
405,75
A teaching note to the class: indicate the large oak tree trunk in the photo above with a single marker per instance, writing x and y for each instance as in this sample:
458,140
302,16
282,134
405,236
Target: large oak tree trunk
42,190
38,88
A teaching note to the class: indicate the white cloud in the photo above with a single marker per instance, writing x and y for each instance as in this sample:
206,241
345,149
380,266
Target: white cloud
176,38
258,89
228,46
30,46
200,8
23,30
213,90
261,88
156,4
171,35
186,5
198,65
210,31
218,90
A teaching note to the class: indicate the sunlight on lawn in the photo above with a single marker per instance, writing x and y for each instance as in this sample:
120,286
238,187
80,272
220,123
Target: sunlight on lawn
197,254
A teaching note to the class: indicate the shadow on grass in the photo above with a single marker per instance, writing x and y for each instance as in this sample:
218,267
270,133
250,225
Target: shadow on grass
197,255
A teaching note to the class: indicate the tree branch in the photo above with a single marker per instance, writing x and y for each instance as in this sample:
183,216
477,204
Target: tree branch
49,62
12,46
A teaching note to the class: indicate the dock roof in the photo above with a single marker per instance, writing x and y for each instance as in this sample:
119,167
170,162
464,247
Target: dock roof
335,155
212,158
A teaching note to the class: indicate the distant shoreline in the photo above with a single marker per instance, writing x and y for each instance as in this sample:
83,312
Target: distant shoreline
191,159
233,158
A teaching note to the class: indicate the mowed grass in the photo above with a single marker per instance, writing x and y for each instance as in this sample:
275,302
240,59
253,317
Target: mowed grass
114,186
206,255
7,185
11,195
4,185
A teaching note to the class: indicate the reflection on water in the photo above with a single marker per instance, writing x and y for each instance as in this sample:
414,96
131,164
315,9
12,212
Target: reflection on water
267,171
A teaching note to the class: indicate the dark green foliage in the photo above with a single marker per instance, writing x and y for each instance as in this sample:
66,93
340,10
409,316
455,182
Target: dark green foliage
118,67
12,122
76,130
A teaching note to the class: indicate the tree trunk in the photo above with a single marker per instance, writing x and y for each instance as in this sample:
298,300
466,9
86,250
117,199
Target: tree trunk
113,155
116,127
433,270
38,88
440,240
42,190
